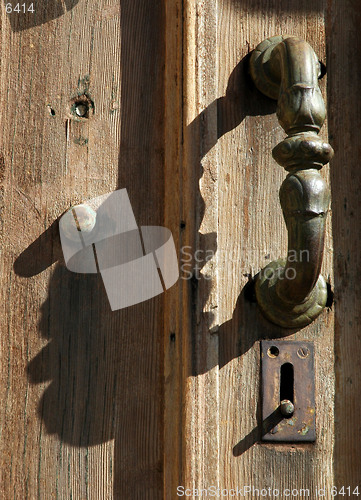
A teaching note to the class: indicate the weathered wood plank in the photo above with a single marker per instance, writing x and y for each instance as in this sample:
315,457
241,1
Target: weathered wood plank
225,369
177,122
176,311
343,89
75,376
254,232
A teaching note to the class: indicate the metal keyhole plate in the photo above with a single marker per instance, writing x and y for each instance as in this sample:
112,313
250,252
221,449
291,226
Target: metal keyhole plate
300,427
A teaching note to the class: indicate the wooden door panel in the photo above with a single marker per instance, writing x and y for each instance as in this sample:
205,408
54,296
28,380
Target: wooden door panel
230,207
343,90
135,403
81,414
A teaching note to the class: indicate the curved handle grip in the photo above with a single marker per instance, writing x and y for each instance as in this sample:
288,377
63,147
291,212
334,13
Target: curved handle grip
292,293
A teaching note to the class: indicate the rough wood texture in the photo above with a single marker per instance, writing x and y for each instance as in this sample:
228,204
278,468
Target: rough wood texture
253,230
134,403
82,387
230,206
343,89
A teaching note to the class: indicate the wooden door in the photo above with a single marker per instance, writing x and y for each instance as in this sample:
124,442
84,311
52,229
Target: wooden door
136,403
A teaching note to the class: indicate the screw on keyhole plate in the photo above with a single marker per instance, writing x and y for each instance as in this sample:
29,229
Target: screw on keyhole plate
273,352
303,352
288,391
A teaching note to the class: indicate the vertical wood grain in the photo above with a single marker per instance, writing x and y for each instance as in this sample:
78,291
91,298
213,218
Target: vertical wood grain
81,412
201,163
344,71
254,233
238,189
176,309
134,403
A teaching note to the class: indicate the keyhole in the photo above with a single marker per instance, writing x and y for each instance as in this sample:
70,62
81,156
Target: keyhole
287,390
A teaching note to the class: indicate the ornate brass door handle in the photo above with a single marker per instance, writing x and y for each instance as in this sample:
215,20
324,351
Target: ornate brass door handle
292,292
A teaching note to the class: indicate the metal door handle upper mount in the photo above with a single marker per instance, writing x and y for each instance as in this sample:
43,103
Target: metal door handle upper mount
293,293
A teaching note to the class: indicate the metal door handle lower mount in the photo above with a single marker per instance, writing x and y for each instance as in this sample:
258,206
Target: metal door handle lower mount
292,292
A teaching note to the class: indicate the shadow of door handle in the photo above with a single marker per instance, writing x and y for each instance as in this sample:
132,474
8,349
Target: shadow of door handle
292,292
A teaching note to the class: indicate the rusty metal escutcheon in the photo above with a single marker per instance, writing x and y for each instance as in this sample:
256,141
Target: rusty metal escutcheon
288,369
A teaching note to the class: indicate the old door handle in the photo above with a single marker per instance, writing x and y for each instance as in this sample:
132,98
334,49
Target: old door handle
292,292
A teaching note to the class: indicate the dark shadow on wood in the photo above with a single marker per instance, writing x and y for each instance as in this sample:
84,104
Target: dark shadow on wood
344,124
141,170
241,99
78,405
138,454
236,336
103,367
41,254
256,434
